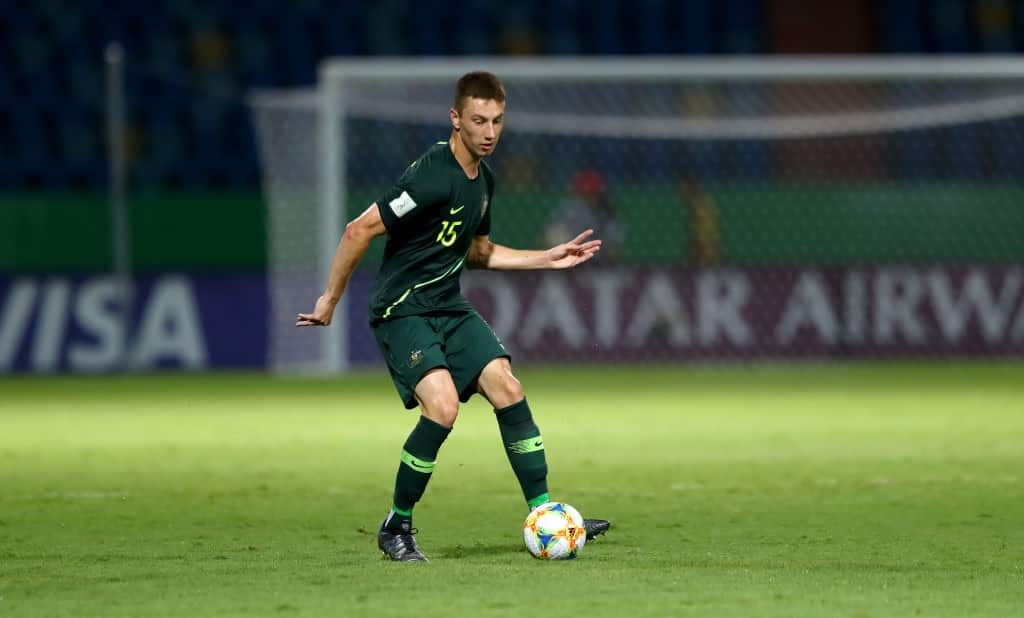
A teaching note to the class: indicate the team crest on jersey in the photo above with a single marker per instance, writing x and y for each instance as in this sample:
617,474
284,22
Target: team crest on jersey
415,358
483,206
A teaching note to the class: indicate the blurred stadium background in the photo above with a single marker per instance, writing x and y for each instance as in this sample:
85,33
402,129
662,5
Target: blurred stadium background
829,215
886,241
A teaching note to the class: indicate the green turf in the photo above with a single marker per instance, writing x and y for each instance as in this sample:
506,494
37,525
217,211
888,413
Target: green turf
881,490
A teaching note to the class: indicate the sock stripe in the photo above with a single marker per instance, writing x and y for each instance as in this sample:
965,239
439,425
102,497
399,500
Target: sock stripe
402,512
417,464
526,445
539,500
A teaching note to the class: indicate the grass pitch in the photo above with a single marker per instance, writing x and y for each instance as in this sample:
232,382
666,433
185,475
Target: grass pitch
875,490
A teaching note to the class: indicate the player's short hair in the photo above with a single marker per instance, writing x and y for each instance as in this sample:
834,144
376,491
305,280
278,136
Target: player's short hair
478,85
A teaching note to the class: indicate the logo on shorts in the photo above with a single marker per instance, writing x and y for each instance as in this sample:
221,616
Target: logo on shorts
415,358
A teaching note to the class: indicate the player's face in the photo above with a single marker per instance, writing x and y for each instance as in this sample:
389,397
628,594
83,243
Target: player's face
479,124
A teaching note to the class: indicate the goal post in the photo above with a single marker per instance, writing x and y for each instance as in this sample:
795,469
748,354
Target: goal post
737,187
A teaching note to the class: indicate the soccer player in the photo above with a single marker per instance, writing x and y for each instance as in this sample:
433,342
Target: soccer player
438,349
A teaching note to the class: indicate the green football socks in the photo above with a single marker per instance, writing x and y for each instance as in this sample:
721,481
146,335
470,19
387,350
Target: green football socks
525,449
419,455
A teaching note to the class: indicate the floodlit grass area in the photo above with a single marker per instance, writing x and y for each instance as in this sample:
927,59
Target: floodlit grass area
804,490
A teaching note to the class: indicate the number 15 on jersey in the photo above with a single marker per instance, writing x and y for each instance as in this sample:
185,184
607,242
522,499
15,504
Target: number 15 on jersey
448,232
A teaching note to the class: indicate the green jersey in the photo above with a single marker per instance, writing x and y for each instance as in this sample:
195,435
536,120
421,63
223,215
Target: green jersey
432,215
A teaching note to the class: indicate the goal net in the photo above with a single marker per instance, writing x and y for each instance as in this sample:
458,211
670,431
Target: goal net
751,209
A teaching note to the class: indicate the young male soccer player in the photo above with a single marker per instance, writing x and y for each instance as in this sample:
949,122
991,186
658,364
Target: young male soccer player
438,349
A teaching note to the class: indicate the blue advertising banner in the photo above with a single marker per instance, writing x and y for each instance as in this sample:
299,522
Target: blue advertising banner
192,322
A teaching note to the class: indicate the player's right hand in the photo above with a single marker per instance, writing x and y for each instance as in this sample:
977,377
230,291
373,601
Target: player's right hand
321,315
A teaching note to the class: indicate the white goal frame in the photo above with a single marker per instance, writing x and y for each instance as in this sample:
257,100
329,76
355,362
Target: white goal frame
335,73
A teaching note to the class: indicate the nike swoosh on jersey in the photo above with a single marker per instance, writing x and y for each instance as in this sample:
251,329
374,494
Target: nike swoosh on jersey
455,211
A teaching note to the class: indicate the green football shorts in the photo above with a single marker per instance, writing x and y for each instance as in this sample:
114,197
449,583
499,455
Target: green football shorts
461,342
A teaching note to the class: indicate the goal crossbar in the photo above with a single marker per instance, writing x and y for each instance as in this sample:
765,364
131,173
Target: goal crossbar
671,68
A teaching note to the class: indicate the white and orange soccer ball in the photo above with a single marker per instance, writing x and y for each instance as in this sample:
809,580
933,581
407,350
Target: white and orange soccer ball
554,531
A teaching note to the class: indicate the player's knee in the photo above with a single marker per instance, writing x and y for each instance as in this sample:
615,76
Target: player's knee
511,388
442,410
503,389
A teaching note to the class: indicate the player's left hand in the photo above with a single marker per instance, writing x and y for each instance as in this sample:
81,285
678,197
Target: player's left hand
574,252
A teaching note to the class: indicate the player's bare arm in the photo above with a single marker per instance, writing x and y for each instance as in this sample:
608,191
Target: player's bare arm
351,248
492,256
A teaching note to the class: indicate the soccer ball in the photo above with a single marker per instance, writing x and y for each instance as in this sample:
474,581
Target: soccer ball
554,531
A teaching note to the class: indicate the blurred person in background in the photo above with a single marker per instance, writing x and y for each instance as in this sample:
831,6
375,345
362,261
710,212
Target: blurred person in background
703,246
587,207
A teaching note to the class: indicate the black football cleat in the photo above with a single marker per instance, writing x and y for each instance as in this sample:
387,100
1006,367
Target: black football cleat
400,545
596,527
